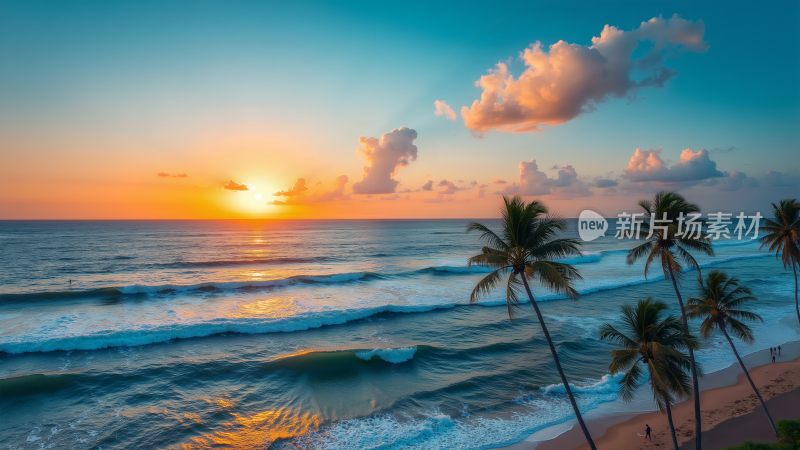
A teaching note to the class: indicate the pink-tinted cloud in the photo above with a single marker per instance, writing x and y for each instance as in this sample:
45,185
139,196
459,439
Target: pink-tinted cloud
442,109
533,181
384,156
692,166
234,186
299,195
428,186
566,80
172,175
447,187
298,189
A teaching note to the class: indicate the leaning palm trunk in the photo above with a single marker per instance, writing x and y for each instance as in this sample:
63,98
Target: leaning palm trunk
558,365
695,383
750,380
671,425
796,304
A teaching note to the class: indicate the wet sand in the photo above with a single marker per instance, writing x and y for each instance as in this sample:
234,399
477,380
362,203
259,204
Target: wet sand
731,412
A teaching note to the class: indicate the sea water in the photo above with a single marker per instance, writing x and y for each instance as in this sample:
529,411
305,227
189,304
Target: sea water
310,334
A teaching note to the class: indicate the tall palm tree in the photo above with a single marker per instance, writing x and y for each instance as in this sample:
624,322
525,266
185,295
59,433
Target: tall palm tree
782,236
658,343
721,305
525,250
671,246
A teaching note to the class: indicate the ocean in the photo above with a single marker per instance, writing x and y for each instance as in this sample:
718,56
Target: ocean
309,334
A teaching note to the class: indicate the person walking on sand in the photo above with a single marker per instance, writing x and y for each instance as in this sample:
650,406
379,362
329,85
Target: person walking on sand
779,350
647,431
773,359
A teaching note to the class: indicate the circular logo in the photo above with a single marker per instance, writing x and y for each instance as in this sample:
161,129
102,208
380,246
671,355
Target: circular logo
591,225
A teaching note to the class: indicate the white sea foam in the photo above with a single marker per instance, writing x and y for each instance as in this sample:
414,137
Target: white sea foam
391,355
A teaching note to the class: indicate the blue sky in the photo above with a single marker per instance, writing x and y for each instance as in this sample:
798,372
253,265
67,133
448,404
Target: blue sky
150,77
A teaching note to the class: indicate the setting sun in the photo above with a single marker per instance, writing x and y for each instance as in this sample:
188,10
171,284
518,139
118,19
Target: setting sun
307,224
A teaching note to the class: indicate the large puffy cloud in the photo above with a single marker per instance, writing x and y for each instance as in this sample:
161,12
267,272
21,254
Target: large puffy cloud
693,166
533,181
565,80
384,156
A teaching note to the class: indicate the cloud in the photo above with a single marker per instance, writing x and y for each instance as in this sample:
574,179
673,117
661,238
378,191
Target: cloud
533,181
447,187
443,109
234,186
298,189
605,183
428,186
733,181
298,194
338,191
777,179
559,83
693,166
172,175
384,156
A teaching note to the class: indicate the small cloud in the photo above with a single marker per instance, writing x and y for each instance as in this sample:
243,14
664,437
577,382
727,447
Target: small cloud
384,156
298,194
428,186
733,181
442,109
777,179
172,175
605,183
447,187
298,188
692,166
533,181
234,186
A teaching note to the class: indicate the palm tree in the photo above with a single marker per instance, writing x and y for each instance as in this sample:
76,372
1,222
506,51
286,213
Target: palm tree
526,249
672,246
658,344
782,236
721,305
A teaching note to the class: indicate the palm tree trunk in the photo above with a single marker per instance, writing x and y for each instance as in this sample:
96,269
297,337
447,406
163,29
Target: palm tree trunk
796,304
695,384
558,365
750,380
671,425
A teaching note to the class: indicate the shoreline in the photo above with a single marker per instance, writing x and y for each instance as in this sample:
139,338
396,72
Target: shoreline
726,396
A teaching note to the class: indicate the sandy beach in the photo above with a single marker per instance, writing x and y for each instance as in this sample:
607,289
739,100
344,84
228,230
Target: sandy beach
731,412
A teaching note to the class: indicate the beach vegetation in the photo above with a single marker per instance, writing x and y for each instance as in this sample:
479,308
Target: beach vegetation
525,251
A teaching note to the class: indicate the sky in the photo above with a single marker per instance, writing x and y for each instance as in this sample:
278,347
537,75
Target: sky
208,109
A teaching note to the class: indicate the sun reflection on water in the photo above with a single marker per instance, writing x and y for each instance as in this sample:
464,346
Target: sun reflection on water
273,307
258,431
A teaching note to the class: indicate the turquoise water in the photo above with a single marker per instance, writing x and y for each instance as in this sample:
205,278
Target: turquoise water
341,334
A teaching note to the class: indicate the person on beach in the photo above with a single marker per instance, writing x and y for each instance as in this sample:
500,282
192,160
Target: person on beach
773,359
647,431
779,350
